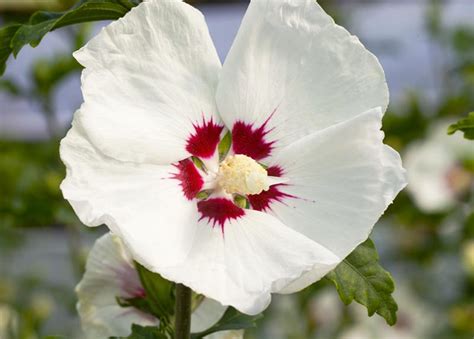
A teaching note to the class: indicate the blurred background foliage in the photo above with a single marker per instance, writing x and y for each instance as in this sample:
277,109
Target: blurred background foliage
430,252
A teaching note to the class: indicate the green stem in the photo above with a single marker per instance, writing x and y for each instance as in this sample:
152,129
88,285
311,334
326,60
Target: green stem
182,325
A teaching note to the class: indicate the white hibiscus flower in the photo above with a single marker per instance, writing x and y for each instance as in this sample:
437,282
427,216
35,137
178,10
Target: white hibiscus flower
110,274
307,174
435,173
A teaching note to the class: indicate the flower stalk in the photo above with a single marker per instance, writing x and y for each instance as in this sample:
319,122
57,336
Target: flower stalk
182,325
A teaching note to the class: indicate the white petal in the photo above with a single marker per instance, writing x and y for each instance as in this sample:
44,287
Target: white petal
290,58
343,179
149,76
255,256
110,273
138,202
394,176
206,314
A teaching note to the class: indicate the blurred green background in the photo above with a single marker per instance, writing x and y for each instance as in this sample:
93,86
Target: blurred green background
426,238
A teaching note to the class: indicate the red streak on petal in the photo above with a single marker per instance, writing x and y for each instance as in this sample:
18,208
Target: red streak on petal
262,201
219,210
191,181
203,142
275,171
251,141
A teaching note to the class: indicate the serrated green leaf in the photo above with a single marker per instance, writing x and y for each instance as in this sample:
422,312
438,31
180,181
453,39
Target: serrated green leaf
30,34
14,37
360,277
41,16
465,125
6,35
43,22
231,320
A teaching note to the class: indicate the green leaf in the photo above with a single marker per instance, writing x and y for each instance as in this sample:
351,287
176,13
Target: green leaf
231,320
146,332
139,303
360,277
465,125
159,295
14,37
30,34
6,35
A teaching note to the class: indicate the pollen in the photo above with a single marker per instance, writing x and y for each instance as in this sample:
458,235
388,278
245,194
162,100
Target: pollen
243,175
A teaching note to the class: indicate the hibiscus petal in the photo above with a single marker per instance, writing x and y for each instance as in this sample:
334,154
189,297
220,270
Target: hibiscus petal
206,314
142,203
255,256
292,71
110,273
343,178
149,83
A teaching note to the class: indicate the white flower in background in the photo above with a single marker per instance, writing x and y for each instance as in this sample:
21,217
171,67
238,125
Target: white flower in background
416,320
8,321
434,167
326,311
41,306
110,274
306,177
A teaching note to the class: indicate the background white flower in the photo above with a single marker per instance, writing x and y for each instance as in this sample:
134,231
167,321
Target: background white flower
301,97
435,170
415,320
110,273
8,321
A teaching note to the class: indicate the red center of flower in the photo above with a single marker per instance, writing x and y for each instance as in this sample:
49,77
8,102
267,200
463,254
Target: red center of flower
219,210
248,140
190,180
203,142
